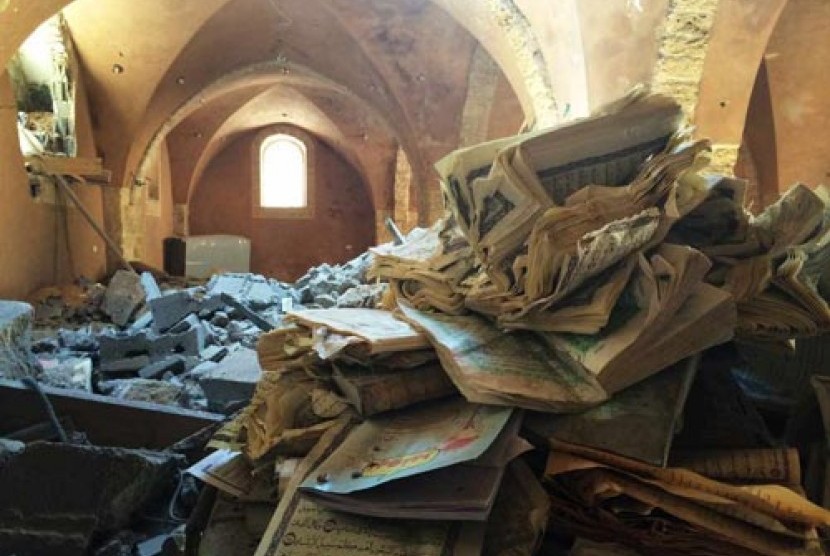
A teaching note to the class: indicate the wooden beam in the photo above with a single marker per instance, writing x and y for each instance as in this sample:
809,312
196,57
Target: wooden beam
106,421
90,169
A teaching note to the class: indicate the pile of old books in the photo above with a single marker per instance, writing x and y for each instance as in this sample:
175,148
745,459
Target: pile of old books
525,380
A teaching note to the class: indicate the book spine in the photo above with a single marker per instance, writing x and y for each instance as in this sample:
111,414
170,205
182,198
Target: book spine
398,390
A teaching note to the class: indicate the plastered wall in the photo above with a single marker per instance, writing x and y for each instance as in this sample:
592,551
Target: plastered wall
342,227
35,237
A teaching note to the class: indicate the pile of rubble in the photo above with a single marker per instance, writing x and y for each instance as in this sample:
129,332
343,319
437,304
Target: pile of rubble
178,343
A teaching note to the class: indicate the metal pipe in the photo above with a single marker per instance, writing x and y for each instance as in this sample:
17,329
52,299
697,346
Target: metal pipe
395,231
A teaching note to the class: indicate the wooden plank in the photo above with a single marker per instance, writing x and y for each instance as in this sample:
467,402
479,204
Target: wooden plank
91,169
106,421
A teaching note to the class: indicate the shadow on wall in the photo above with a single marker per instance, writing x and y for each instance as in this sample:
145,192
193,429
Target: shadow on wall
342,226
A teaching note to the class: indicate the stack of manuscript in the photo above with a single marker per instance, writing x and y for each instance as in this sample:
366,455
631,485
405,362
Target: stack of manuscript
775,265
736,503
419,482
580,272
422,455
497,191
329,362
430,269
584,246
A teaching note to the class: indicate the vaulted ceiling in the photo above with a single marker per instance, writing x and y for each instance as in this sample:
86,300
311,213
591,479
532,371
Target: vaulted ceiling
366,76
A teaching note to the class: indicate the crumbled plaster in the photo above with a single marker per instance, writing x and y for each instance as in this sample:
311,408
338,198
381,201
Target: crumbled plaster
684,38
133,212
530,59
481,92
724,157
403,193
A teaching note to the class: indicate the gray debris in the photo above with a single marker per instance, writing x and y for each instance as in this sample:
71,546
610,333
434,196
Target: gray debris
125,294
325,300
202,369
144,390
71,373
97,489
213,353
220,319
363,296
171,308
77,340
251,289
175,364
185,338
46,345
151,287
16,360
232,380
125,365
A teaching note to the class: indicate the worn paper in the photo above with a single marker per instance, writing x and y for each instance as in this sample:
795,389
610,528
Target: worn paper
302,528
639,422
378,330
408,443
518,369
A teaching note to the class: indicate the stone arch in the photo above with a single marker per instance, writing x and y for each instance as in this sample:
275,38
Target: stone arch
720,96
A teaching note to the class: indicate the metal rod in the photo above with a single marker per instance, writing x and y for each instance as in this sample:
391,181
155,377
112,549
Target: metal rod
396,233
110,243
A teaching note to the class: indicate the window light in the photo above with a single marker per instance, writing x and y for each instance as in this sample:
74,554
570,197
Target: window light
283,173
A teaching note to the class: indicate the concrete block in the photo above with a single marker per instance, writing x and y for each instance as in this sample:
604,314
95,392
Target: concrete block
191,321
123,297
16,360
142,321
201,369
174,364
171,308
151,287
213,353
125,365
233,379
252,289
191,342
120,345
210,304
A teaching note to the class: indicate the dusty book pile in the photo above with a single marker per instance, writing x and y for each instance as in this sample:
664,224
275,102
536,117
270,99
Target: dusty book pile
539,362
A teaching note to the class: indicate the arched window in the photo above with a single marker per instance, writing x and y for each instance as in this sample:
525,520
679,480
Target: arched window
282,183
283,173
